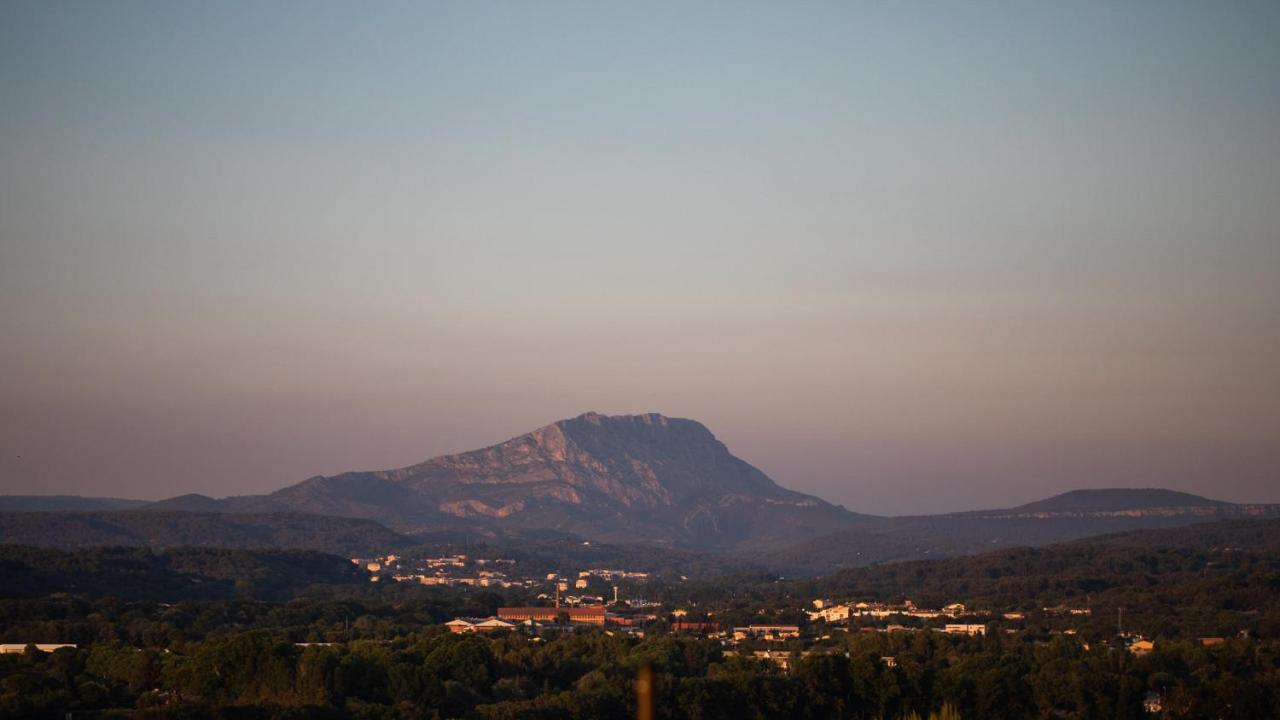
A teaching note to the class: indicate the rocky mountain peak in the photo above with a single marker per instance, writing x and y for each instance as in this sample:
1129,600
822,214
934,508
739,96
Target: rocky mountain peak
630,477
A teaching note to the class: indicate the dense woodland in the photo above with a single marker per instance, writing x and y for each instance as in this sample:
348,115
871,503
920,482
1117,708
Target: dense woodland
298,634
169,528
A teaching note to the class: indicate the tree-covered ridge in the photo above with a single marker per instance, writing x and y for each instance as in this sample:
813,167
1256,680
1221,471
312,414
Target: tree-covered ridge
171,528
178,574
1212,579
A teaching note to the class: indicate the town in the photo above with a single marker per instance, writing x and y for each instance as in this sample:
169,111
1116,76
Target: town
593,598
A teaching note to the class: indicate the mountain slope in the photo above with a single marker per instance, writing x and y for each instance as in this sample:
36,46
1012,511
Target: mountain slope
625,478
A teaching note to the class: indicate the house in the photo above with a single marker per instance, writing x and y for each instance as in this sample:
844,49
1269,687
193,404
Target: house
1153,703
460,625
1141,647
1211,641
889,661
965,629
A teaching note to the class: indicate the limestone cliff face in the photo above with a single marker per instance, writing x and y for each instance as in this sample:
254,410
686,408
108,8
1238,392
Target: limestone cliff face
630,477
635,462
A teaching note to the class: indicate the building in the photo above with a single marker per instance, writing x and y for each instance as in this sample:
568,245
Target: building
781,658
767,632
831,613
11,648
589,614
469,625
965,629
1141,647
694,627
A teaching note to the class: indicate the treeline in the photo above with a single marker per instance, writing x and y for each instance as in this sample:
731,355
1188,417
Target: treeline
178,574
591,675
1199,588
171,528
83,621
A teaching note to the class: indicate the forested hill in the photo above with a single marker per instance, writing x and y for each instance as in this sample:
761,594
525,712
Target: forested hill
155,528
1258,536
1212,579
181,574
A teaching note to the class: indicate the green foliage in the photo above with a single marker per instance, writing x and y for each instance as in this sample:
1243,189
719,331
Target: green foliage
222,647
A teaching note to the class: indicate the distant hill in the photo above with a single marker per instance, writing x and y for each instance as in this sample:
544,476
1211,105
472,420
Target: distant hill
62,503
1067,517
1117,500
631,478
161,529
180,574
190,503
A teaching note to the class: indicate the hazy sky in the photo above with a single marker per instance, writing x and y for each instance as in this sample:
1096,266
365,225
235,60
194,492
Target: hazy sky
911,257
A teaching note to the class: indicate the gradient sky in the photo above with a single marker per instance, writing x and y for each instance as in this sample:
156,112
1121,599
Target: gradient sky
911,257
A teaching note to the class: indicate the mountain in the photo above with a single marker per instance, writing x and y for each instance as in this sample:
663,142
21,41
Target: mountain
61,503
621,479
165,529
625,478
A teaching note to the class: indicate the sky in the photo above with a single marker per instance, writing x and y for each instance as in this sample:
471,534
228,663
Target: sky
911,257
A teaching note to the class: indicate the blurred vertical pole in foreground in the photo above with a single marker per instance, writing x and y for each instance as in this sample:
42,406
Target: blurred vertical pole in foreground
644,693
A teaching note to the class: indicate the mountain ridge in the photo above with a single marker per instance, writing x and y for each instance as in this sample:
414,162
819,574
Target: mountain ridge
670,482
645,477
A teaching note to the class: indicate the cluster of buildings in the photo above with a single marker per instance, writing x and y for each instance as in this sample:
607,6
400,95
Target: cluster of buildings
536,619
463,570
836,613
